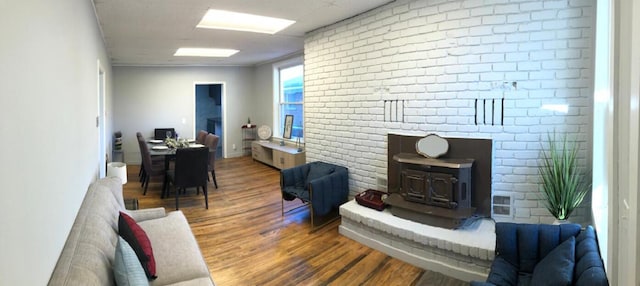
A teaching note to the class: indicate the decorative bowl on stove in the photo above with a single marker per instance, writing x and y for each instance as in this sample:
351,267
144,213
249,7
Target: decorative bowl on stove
432,146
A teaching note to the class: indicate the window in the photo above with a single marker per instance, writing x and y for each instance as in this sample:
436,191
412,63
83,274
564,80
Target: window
603,135
289,97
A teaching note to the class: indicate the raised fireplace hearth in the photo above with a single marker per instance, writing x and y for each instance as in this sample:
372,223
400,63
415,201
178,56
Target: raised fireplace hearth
465,253
447,191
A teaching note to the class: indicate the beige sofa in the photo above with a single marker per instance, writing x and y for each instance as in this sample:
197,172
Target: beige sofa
88,254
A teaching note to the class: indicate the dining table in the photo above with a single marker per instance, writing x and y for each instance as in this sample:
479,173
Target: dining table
158,147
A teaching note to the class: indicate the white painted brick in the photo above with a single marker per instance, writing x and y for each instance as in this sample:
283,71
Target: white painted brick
504,67
506,9
440,62
567,74
529,66
469,77
431,19
544,15
501,47
494,19
559,64
517,37
541,36
530,46
516,57
481,30
529,6
499,38
492,76
490,58
555,4
530,26
470,22
482,11
468,59
505,29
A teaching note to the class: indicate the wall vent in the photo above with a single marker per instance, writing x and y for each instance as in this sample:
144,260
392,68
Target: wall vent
502,205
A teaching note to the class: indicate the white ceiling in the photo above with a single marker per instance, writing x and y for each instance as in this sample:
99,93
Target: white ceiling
148,32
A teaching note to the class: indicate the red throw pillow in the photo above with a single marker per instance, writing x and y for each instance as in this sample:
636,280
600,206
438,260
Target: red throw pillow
139,241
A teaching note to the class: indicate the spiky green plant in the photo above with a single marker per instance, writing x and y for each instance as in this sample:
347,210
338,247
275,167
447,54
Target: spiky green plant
563,183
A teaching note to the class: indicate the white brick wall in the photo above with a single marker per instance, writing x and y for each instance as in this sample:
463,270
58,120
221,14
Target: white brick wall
439,56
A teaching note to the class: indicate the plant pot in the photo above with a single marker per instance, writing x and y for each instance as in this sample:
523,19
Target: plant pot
561,221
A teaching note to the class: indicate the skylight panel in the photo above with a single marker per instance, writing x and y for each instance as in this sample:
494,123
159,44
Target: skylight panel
227,20
204,52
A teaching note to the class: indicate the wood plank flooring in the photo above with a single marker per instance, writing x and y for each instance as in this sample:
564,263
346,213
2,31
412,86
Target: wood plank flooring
245,239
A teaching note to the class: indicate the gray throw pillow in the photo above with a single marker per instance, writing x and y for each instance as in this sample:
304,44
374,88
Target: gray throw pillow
126,267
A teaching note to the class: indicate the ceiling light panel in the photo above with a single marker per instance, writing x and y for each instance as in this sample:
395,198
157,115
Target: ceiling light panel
204,52
227,20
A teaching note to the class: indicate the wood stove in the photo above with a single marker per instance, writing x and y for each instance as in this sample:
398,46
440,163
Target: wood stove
437,191
425,182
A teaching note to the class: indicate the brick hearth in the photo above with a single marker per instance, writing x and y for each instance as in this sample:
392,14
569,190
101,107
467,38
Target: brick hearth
465,253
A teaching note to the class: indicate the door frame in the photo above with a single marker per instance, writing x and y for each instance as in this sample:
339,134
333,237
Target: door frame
100,122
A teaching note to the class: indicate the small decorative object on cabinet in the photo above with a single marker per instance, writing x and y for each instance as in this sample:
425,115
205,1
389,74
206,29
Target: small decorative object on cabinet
248,135
117,146
264,133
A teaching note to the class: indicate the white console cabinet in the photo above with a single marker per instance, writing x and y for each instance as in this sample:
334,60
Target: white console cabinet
273,154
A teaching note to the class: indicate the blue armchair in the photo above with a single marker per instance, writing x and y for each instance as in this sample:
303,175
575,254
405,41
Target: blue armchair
538,254
322,186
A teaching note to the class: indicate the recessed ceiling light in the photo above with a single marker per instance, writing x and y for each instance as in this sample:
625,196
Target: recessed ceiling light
226,20
204,52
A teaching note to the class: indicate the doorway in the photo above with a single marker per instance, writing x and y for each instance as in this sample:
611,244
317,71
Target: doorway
209,99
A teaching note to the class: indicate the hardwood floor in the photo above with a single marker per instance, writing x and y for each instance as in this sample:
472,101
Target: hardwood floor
246,241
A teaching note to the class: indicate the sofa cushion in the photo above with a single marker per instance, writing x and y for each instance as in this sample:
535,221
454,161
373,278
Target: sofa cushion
557,267
126,267
503,273
178,257
139,241
589,268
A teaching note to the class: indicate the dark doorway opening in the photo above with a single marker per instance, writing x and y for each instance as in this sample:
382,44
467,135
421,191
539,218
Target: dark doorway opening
209,112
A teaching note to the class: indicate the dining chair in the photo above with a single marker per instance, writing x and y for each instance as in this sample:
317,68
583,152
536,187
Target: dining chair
162,133
140,139
190,171
202,134
211,141
150,169
157,161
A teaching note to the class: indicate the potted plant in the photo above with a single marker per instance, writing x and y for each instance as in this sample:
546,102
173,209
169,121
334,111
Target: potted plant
564,185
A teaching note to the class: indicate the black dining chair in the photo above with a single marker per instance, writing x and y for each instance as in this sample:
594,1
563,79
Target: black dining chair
156,162
190,171
211,141
202,134
163,133
151,169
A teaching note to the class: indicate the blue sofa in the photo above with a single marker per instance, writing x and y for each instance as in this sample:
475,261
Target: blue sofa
540,254
323,186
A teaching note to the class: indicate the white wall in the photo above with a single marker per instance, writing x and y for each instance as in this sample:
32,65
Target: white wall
49,152
440,56
263,86
156,97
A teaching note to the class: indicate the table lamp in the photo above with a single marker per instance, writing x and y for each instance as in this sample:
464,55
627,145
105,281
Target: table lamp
117,169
